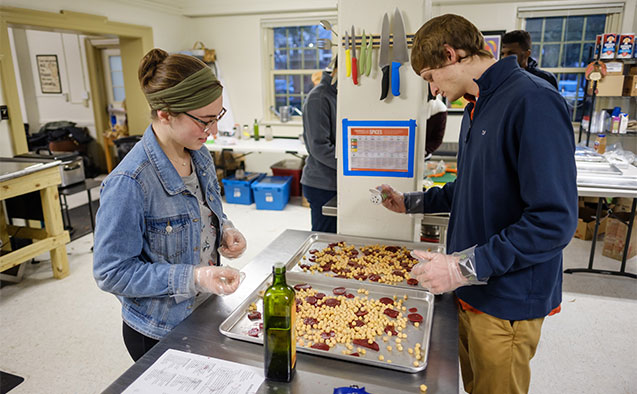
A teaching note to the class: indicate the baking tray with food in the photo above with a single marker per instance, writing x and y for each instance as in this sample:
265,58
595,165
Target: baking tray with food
359,258
361,322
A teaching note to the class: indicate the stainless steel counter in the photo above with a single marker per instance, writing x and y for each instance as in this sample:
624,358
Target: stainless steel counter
200,334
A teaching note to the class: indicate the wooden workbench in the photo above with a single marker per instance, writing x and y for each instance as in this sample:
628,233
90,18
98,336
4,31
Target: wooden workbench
52,237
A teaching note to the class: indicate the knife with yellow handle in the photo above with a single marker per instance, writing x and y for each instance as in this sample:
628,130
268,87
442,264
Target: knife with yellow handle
348,59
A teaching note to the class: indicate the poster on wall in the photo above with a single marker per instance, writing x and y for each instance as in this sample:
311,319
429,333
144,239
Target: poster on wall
379,147
49,73
493,43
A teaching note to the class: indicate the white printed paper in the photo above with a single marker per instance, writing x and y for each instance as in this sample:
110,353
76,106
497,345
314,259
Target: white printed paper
180,372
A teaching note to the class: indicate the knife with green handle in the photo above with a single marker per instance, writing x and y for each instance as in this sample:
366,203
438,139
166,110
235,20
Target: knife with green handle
368,61
363,56
399,52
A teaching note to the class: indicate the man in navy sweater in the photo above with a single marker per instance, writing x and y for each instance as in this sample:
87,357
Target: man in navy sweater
518,43
513,205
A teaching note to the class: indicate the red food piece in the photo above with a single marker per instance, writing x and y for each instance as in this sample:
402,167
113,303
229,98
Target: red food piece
390,328
352,263
354,252
312,258
361,313
339,290
341,276
260,326
302,286
313,251
332,244
391,312
304,266
412,281
327,335
310,300
360,276
399,273
320,346
254,332
349,295
367,252
392,249
355,354
415,317
413,310
310,321
333,302
330,252
364,343
374,277
357,323
386,301
256,315
319,295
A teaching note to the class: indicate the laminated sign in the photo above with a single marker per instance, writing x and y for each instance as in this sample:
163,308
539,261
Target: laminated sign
379,148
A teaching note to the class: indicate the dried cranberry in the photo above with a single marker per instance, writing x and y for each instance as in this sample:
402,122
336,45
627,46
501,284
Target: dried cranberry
361,313
339,290
333,302
310,321
302,286
320,346
392,249
374,277
260,326
415,317
254,315
390,328
365,343
399,273
319,295
386,301
349,295
254,332
357,323
314,251
412,281
333,244
310,300
354,252
355,354
312,259
327,335
391,312
413,310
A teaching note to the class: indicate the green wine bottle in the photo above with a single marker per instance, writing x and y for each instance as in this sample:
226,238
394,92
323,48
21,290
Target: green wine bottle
279,317
255,127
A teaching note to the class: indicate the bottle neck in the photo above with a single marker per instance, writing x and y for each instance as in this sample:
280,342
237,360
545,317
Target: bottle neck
279,277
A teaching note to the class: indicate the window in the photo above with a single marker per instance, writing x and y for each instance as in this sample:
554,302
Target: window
563,42
293,56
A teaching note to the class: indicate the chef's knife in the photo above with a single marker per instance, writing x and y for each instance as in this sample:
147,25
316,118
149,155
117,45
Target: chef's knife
354,62
383,57
363,55
368,61
399,52
348,59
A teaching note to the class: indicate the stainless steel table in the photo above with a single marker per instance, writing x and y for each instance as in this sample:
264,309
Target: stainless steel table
200,334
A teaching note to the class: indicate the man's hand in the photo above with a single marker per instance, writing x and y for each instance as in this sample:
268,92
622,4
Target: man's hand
233,243
437,272
392,200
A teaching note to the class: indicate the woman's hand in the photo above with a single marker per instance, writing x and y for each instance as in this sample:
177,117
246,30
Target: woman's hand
392,200
217,280
233,243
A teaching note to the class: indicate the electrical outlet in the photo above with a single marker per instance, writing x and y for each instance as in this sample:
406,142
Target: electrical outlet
4,112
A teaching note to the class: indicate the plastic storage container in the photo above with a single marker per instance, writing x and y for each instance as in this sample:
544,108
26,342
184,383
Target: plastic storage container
272,192
290,167
238,191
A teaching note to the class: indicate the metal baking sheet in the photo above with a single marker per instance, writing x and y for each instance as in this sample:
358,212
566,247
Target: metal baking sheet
322,240
237,324
597,168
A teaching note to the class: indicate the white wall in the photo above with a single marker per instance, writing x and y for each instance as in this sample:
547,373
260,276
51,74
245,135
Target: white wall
5,138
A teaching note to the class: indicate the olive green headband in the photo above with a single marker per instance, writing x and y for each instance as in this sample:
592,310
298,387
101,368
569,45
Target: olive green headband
195,91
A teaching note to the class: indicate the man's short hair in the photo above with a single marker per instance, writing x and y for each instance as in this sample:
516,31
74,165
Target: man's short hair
522,37
428,49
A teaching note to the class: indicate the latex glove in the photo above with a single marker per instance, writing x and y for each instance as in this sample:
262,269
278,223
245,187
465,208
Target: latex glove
217,280
233,243
437,272
392,200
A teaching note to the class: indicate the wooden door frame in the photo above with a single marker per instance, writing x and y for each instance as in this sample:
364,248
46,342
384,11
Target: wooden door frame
135,41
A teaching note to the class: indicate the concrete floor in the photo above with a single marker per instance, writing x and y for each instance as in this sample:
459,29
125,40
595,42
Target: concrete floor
64,336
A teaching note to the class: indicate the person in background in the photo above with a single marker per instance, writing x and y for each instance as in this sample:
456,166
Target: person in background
518,43
513,206
319,133
160,225
436,125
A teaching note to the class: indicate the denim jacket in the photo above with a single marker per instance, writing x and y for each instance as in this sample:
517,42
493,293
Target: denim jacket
147,236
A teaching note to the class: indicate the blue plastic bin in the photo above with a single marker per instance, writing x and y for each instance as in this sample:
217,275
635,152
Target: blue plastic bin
238,191
272,192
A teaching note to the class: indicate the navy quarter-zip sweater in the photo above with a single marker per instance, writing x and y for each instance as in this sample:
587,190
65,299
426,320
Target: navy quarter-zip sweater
515,196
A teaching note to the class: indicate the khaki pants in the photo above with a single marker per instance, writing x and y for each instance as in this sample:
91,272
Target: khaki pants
495,355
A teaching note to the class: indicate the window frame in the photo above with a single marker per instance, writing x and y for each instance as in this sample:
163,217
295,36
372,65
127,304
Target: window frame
614,15
267,49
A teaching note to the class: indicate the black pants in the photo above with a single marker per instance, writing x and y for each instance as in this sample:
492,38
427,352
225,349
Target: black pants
136,343
317,198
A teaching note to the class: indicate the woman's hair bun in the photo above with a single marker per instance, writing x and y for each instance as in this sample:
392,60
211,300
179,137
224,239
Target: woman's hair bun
148,65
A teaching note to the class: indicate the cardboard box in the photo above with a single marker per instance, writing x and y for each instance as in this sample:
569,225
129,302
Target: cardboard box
586,223
632,70
610,85
630,86
623,204
615,238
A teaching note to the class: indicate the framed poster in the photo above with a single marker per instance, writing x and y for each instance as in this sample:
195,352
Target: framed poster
493,43
379,147
49,73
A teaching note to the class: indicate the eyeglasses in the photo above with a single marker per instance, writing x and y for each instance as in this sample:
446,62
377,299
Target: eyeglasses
428,77
209,124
